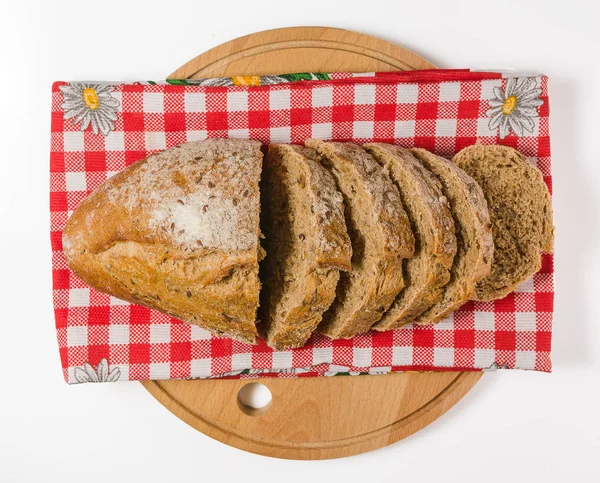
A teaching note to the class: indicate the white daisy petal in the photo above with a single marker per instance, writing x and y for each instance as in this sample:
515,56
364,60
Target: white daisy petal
64,88
104,126
103,88
85,123
109,102
102,370
493,111
516,125
75,112
83,116
107,113
533,103
530,84
499,93
503,131
495,121
495,102
527,111
71,103
91,372
532,94
81,375
114,375
517,85
526,121
95,124
510,85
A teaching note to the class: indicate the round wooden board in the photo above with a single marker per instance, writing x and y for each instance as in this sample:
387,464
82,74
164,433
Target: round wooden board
325,417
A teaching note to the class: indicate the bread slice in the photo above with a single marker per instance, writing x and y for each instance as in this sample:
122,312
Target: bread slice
178,232
474,243
428,210
306,241
520,211
380,234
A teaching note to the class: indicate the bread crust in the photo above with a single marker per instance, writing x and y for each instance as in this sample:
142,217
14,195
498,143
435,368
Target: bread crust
177,232
521,214
381,238
428,210
291,311
475,246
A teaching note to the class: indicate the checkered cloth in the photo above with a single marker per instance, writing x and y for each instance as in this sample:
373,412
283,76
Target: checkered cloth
102,338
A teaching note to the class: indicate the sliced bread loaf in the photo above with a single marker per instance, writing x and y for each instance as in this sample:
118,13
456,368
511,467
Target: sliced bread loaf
302,217
380,234
426,273
520,211
178,232
474,243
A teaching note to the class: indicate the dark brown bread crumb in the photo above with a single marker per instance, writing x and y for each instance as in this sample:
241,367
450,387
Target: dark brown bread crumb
307,244
381,238
520,211
474,243
428,210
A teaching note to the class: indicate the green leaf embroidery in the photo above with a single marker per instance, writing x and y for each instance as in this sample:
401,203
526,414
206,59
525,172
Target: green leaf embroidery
322,76
152,83
296,77
178,82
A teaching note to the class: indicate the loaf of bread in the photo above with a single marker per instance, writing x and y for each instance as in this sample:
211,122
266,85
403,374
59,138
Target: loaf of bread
475,246
307,244
380,234
357,238
520,212
178,232
428,270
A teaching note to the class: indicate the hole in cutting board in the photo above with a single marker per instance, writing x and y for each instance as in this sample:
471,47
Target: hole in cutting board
254,398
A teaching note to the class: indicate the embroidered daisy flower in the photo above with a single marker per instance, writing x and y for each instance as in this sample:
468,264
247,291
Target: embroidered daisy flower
515,108
90,104
101,374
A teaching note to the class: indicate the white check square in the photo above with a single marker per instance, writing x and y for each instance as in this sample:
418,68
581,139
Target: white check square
79,297
160,333
280,134
115,141
73,141
237,101
322,97
279,100
154,102
77,335
407,94
445,127
118,334
155,140
449,91
75,181
160,370
363,129
322,130
195,102
364,94
404,129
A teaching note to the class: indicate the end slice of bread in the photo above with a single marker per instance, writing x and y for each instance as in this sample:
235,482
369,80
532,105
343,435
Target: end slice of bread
475,247
178,232
380,234
428,271
307,244
521,215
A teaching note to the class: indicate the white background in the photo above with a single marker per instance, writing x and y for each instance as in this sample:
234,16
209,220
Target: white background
513,426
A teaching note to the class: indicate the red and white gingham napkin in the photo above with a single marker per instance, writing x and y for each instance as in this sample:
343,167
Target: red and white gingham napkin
102,338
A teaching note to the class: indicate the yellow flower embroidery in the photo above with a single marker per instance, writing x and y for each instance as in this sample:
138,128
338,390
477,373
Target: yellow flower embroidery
246,80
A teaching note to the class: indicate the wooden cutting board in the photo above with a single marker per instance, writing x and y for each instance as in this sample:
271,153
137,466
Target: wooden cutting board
324,417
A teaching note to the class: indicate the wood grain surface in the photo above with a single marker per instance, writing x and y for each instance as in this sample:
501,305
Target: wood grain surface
325,417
